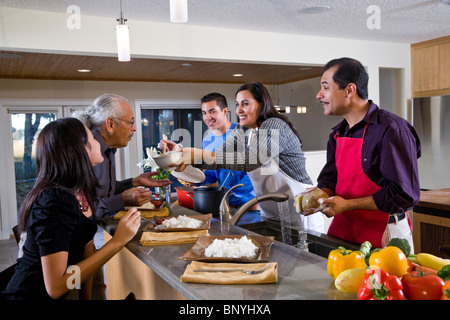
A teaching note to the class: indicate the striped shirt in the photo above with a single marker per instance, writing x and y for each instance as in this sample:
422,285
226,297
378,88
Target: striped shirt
274,139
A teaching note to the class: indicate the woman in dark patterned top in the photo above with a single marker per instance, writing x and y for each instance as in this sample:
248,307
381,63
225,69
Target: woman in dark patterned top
57,217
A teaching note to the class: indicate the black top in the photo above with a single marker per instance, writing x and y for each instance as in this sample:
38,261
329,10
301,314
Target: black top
54,224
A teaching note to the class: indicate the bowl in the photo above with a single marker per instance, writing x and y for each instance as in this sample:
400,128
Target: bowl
165,160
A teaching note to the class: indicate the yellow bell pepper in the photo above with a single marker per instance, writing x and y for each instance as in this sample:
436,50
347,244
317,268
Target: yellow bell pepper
341,259
390,259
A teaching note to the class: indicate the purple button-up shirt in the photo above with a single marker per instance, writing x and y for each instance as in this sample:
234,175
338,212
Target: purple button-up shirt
389,158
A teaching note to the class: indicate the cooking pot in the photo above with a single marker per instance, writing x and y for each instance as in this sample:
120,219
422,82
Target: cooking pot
183,196
207,199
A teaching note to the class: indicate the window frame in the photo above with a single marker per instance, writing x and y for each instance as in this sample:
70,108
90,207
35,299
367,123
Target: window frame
62,108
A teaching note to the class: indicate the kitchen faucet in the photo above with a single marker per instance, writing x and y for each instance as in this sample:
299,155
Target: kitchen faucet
225,212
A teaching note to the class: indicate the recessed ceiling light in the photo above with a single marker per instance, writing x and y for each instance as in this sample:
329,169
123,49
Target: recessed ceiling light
318,9
237,75
186,65
84,70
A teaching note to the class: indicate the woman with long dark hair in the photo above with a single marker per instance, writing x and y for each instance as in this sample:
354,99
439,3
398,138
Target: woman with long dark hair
57,217
267,146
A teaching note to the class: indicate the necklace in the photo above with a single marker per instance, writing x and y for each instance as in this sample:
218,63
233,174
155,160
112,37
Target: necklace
83,205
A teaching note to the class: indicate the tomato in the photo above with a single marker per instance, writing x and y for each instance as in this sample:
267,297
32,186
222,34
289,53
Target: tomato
422,286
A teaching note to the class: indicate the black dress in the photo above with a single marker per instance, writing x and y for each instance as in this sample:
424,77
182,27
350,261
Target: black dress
55,224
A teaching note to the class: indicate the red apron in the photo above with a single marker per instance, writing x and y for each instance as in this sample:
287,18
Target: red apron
358,225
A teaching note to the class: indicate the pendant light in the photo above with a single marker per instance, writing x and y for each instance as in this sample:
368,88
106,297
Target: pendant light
178,11
123,38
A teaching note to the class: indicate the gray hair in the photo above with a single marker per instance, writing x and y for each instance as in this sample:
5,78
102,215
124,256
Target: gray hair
102,108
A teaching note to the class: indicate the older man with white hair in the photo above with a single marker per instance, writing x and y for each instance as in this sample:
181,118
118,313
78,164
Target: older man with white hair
111,120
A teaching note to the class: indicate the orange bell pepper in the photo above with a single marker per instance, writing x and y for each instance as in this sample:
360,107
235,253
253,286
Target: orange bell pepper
446,291
390,259
341,259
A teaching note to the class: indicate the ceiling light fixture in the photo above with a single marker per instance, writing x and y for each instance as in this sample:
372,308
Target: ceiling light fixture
84,70
318,9
238,75
302,109
123,38
178,11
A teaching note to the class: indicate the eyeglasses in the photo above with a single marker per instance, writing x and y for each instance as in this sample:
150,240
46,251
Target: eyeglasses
131,123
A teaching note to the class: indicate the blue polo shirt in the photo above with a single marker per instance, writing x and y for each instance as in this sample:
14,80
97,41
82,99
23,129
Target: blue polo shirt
239,195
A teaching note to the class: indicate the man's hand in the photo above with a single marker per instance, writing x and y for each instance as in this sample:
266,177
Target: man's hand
333,206
136,196
145,179
337,205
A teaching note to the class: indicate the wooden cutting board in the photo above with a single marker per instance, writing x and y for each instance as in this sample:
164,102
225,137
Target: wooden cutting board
164,212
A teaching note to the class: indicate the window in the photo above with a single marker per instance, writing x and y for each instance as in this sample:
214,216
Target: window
156,122
181,121
20,124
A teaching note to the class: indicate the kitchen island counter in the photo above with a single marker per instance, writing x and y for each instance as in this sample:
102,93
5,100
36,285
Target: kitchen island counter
431,223
153,272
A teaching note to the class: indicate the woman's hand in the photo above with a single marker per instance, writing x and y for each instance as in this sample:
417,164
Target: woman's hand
128,226
194,156
171,146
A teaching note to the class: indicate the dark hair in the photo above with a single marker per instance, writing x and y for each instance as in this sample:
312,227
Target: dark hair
62,162
215,96
350,71
268,110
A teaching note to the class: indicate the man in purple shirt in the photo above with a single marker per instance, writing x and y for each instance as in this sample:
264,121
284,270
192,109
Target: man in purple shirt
371,172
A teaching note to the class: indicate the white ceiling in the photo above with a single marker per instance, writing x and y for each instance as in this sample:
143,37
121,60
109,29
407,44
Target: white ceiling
406,21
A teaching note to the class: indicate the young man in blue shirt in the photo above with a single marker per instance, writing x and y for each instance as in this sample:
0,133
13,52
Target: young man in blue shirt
214,110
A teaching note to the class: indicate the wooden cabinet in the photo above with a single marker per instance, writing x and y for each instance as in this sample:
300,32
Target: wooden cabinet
125,273
444,56
430,67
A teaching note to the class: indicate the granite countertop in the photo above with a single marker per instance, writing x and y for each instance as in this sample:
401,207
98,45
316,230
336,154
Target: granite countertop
301,275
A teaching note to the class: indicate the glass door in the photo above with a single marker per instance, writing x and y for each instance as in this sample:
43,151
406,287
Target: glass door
25,129
20,124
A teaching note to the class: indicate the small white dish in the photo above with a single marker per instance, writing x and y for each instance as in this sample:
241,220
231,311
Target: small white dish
165,160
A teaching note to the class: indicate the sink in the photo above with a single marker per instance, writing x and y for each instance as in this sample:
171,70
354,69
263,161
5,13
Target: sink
318,243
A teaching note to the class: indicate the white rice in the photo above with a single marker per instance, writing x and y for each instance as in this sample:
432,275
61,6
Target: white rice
231,248
180,222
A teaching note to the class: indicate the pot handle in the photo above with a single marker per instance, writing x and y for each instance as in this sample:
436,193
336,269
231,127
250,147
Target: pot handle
190,195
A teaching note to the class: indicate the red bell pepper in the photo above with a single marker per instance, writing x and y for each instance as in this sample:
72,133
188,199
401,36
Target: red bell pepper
380,285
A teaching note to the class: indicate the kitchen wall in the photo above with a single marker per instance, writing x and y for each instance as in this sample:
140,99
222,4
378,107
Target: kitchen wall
313,126
31,30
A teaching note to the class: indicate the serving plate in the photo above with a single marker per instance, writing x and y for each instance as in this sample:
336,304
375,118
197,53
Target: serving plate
197,252
190,174
204,218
